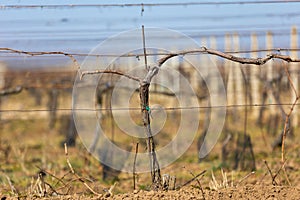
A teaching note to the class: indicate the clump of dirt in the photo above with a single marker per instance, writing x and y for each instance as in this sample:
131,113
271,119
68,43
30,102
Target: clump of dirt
243,192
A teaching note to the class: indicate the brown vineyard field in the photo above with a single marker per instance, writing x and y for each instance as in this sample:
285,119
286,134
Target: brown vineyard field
34,164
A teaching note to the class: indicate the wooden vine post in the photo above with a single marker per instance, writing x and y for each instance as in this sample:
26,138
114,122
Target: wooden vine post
145,109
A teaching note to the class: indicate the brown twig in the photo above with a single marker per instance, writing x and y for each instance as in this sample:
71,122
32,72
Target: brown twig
68,184
43,53
53,190
245,177
270,172
286,123
144,48
76,175
285,173
109,193
83,73
242,60
287,118
191,180
134,163
199,183
52,175
278,171
67,158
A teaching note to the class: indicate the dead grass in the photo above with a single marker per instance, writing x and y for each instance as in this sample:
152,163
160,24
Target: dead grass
33,164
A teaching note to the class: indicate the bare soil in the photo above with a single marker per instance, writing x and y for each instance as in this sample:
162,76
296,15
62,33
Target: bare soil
243,192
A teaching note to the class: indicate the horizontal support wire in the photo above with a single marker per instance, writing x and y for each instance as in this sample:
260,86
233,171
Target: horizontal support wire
44,6
191,31
138,108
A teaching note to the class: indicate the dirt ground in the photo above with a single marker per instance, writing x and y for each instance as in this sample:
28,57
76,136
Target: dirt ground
234,185
244,192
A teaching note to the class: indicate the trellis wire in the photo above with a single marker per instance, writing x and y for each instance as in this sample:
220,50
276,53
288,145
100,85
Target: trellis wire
142,5
138,108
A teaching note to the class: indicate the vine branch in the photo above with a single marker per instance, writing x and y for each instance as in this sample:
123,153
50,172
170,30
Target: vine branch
287,117
110,71
228,56
39,53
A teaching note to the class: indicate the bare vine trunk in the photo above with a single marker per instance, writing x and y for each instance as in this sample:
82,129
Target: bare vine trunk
145,109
